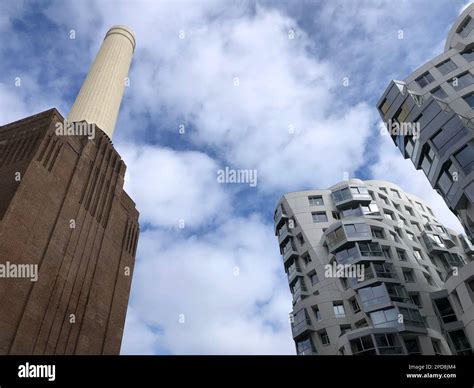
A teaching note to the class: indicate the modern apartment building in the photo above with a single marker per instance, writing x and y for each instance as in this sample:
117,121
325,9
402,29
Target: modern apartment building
439,99
416,292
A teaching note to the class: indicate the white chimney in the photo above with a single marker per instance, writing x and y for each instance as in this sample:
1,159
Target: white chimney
98,101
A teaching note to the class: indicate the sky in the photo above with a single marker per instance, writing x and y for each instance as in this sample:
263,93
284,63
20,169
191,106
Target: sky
284,88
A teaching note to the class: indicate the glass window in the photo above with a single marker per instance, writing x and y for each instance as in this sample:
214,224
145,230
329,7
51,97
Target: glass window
446,66
323,335
424,79
339,310
445,310
439,92
370,249
401,255
412,317
362,228
317,313
316,200
462,81
428,159
470,283
386,252
415,299
469,98
468,54
355,306
345,329
385,318
450,134
373,295
460,342
465,158
350,228
341,195
417,254
395,193
388,344
436,346
363,345
412,346
445,181
377,233
466,27
320,217
397,292
408,275
305,347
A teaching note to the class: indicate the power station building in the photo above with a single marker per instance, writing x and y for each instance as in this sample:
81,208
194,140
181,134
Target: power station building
64,214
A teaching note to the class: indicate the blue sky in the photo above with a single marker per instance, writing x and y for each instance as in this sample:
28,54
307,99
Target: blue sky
217,285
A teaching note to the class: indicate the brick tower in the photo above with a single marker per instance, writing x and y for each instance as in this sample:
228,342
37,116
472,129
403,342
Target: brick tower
63,211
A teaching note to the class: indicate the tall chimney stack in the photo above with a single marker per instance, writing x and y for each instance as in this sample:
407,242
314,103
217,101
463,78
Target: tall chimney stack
98,101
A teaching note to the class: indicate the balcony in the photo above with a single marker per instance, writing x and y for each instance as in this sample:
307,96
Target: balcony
345,232
351,196
293,272
382,295
375,272
289,251
284,232
279,217
360,252
434,244
466,244
302,327
299,292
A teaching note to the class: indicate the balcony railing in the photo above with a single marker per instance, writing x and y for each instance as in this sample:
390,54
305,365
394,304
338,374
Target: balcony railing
279,217
362,251
370,272
433,243
348,232
299,291
284,232
467,245
348,196
302,327
293,272
289,250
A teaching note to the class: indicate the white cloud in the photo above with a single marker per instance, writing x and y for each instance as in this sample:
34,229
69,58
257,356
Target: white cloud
227,284
170,186
281,86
